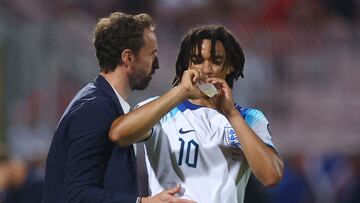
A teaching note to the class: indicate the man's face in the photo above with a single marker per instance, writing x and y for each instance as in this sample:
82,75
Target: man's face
145,63
212,67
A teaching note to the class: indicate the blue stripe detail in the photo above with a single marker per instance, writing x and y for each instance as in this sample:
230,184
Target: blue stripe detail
241,110
252,116
181,107
188,105
249,114
170,115
250,120
174,111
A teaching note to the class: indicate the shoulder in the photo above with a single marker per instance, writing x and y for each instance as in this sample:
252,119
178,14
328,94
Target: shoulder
91,108
99,106
91,118
251,113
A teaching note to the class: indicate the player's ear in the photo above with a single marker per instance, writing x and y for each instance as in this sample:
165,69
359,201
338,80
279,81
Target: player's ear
229,70
127,57
190,66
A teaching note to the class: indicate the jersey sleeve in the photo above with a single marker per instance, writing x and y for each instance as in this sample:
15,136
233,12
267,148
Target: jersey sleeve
157,126
259,124
145,102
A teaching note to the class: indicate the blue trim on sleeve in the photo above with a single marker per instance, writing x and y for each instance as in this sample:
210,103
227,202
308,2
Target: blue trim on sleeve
179,108
174,111
170,114
242,110
250,115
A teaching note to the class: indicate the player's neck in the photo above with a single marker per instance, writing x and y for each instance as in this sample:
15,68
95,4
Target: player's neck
208,102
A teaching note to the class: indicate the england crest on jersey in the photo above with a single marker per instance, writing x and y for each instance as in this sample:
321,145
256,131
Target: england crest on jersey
231,139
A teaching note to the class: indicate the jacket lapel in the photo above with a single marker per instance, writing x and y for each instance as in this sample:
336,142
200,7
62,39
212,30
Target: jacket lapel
106,88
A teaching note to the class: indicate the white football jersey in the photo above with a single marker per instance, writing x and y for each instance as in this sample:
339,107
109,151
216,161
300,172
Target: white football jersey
196,147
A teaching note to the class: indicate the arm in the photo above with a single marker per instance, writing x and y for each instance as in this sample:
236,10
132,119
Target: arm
127,129
88,154
263,160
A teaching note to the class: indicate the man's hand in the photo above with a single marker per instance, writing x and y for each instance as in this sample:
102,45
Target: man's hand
224,99
166,196
189,80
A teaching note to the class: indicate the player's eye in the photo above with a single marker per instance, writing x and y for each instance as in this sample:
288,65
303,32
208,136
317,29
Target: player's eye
217,60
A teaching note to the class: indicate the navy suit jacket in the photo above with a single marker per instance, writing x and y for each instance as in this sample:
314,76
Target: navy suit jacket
83,165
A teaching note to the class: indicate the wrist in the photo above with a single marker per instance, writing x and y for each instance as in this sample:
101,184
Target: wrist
231,113
182,91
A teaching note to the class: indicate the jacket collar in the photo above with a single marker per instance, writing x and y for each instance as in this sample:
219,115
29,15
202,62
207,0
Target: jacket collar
101,83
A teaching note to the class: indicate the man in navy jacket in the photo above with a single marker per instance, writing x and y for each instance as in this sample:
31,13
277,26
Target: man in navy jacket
83,165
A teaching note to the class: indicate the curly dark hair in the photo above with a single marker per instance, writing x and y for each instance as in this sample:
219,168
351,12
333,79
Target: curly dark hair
193,39
117,32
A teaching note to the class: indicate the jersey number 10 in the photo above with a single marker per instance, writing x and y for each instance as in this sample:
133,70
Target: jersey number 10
192,149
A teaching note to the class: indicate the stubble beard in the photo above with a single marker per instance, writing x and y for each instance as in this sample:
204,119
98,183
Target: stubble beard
139,80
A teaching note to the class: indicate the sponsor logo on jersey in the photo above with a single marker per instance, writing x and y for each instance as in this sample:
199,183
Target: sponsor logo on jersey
231,139
181,131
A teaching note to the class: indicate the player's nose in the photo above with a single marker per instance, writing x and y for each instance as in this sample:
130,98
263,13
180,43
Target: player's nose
207,68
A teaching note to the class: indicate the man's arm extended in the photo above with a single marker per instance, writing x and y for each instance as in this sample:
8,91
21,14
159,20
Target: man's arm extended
136,125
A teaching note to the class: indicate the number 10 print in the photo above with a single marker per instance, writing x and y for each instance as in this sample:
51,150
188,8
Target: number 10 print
190,161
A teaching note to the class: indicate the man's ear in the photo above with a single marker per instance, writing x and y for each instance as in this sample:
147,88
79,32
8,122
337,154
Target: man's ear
127,57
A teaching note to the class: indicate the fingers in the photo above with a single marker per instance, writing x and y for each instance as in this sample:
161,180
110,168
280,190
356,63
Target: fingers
167,196
217,81
219,84
196,75
174,190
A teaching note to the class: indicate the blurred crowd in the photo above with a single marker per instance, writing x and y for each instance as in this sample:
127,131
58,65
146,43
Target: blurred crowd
302,68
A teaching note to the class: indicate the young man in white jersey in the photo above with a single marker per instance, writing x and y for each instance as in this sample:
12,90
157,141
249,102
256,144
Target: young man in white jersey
209,145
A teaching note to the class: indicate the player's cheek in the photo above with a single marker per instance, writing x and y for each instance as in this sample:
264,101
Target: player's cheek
196,66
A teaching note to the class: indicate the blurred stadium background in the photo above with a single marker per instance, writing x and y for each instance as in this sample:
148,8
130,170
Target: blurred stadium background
302,69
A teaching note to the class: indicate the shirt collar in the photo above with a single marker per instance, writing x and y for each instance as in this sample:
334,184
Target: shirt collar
125,106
